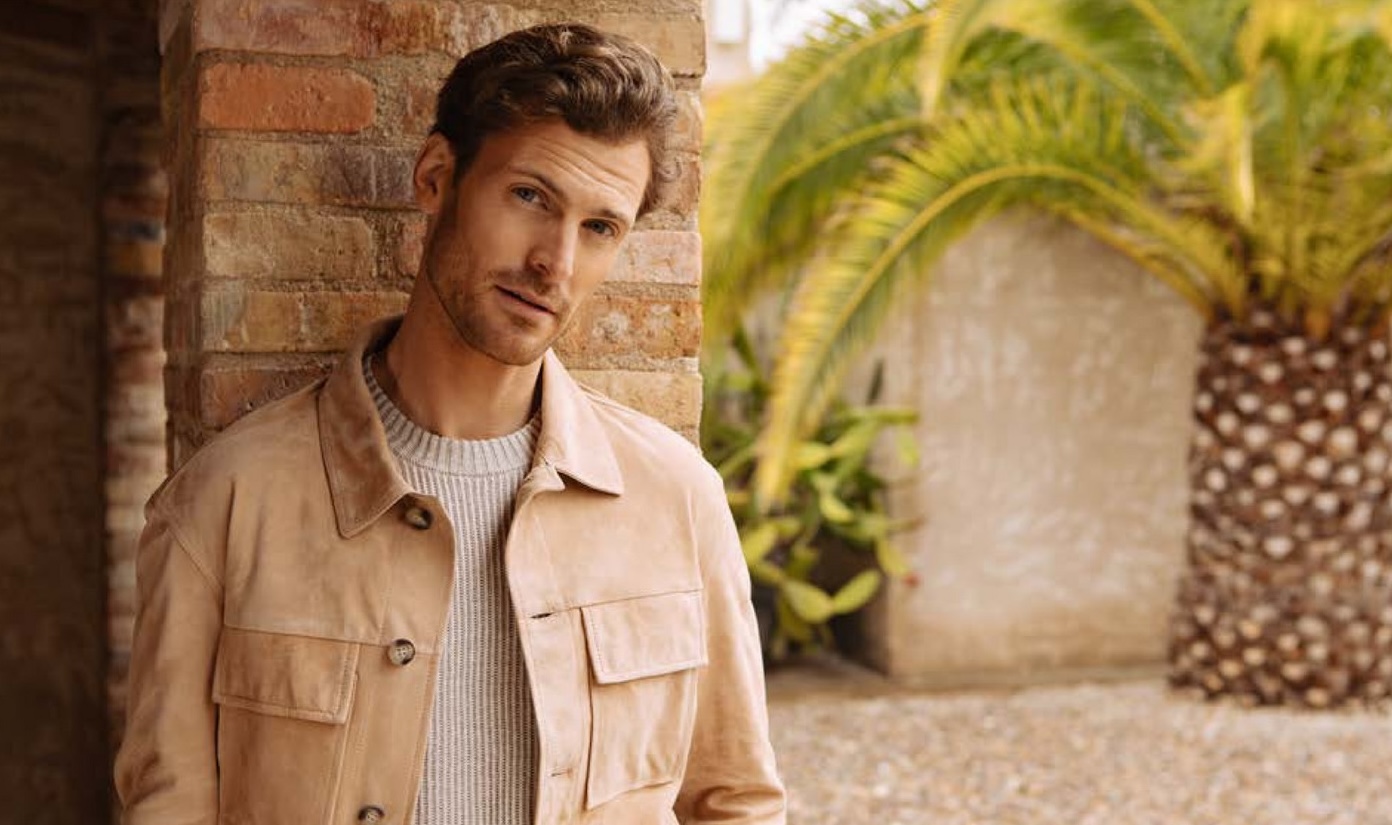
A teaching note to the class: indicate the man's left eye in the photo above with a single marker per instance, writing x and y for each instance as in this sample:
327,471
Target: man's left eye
602,228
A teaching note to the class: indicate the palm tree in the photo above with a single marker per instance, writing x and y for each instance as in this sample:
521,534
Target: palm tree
1238,150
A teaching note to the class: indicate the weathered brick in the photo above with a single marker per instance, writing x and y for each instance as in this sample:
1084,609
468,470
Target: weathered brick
419,92
685,192
672,398
352,27
134,323
688,7
332,174
410,245
269,98
238,320
660,257
230,388
688,130
297,244
171,14
608,325
181,324
138,367
679,41
184,441
677,208
136,258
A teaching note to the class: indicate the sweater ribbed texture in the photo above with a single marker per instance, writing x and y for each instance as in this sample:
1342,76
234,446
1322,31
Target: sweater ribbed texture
481,750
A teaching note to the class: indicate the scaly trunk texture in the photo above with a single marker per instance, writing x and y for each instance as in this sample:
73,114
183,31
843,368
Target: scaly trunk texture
1287,598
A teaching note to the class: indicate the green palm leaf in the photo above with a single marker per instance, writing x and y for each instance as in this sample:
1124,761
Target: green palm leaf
772,160
1039,142
1232,148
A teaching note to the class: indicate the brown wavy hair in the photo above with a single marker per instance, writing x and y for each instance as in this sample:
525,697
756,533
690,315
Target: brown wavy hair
602,85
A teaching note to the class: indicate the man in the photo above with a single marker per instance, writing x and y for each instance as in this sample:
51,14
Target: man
446,584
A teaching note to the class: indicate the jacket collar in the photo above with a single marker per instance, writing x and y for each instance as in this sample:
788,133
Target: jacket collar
363,478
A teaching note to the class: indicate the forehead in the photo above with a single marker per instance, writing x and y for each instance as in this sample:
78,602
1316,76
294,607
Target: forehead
590,172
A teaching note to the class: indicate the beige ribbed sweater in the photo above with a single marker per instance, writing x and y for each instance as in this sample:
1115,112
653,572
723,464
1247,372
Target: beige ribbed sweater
481,752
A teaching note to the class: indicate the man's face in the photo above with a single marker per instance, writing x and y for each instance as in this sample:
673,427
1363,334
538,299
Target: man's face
528,232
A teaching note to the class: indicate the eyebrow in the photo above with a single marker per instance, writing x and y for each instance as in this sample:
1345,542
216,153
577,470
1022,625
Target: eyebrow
603,212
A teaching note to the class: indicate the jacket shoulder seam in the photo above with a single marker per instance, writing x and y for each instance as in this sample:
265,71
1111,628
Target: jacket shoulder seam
183,542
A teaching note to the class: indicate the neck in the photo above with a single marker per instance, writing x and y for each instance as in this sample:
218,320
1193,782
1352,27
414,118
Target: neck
451,389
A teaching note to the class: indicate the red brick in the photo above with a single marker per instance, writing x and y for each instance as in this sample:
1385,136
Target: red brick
288,245
228,390
268,98
660,257
672,398
135,258
353,28
419,94
330,174
237,320
679,41
609,328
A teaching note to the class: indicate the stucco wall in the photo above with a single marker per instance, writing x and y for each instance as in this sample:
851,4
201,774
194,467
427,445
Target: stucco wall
1054,381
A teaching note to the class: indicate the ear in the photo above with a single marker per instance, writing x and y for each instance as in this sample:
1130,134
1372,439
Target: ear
434,173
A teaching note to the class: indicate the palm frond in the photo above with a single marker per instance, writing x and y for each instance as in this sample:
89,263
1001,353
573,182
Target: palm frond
1238,150
1040,142
846,79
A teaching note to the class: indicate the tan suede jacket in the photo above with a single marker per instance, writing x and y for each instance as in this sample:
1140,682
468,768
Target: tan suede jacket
293,595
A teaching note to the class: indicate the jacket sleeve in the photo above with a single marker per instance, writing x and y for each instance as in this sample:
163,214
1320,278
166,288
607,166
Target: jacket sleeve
731,776
166,770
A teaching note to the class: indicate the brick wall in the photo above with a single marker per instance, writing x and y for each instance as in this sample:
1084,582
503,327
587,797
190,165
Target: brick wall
293,126
53,732
133,192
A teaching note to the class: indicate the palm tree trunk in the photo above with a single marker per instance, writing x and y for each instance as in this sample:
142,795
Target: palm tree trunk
1287,597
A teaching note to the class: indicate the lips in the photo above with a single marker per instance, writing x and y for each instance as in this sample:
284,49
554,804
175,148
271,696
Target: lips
528,299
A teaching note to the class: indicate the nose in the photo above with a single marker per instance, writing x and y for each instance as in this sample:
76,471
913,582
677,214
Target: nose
553,253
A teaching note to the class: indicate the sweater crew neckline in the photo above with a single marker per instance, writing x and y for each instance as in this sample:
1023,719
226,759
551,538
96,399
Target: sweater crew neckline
414,444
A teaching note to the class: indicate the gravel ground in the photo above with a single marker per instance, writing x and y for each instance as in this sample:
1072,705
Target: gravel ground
1094,754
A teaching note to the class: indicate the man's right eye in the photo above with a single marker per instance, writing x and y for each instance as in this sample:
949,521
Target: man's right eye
526,194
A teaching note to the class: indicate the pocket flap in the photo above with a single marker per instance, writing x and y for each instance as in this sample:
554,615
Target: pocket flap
278,674
645,636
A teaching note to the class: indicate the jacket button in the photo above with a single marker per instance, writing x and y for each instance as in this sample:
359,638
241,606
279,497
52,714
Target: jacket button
401,652
371,814
419,518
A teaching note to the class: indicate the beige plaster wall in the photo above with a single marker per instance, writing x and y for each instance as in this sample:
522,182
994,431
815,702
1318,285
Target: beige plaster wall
1054,381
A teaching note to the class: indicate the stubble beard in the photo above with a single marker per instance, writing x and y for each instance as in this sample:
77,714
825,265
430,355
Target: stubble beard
506,340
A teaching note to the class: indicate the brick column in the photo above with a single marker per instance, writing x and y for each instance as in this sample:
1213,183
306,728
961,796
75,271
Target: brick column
133,192
292,127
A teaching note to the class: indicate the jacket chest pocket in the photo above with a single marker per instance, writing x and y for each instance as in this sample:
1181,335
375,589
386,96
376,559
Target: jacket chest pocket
283,706
643,656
